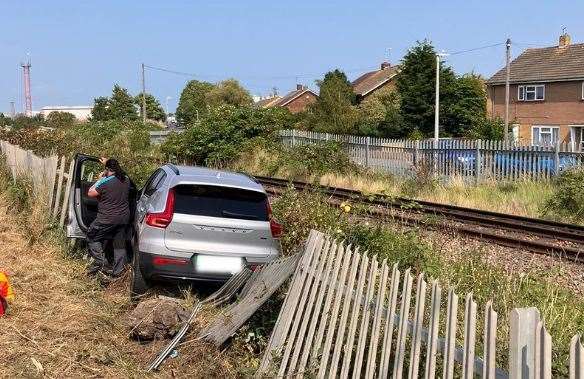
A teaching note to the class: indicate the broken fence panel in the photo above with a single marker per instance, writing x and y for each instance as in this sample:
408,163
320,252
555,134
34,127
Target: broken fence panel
266,281
339,317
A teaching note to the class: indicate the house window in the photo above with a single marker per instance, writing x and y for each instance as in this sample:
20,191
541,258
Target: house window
531,93
545,135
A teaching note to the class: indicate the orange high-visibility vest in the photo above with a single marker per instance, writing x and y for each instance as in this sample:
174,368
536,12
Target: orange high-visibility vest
5,288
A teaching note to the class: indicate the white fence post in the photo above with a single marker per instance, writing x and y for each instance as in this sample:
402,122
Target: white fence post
522,341
293,137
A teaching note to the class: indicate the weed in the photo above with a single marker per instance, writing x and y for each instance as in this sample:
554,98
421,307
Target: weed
567,199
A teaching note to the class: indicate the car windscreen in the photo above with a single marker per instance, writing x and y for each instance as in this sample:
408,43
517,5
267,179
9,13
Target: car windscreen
217,201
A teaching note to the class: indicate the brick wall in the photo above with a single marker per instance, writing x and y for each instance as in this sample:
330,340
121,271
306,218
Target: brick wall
563,106
301,103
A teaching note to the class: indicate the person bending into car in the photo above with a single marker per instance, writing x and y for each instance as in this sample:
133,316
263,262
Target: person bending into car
113,216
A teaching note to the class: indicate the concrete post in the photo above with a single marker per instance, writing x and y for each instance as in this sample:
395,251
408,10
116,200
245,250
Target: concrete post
367,144
557,158
478,162
522,343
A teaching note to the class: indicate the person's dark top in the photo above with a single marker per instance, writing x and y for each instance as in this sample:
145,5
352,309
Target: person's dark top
113,206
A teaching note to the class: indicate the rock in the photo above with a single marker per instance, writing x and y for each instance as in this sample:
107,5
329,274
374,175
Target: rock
156,318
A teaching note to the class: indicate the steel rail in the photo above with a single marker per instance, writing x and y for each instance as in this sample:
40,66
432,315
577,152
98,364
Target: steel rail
475,222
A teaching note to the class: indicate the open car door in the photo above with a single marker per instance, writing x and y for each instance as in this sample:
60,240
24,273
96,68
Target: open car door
82,208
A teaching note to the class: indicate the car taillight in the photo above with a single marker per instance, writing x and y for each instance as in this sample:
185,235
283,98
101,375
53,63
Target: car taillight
275,227
164,261
162,219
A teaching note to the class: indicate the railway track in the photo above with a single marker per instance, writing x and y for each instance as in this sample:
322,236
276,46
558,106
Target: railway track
537,235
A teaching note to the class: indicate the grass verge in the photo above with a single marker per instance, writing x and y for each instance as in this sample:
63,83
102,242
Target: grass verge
466,271
63,324
330,166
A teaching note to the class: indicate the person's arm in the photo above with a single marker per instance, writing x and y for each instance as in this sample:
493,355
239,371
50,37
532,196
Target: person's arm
93,190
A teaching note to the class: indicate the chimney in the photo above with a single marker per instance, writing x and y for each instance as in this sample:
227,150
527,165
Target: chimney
565,40
300,87
385,65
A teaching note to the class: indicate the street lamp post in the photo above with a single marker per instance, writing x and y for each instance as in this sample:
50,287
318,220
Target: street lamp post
437,105
437,111
166,104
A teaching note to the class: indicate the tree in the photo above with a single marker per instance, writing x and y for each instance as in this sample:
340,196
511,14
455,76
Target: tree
121,105
192,103
60,119
154,110
228,92
466,107
100,110
416,85
379,114
4,121
334,111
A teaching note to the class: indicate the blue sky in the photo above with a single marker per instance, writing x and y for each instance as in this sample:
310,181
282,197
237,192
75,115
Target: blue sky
79,49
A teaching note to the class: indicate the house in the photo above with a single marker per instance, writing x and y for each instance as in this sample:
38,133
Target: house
297,100
546,102
374,81
267,102
81,112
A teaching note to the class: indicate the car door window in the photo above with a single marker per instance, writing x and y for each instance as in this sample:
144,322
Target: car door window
155,183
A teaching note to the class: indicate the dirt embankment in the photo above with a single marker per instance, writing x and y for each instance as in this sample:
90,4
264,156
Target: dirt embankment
63,324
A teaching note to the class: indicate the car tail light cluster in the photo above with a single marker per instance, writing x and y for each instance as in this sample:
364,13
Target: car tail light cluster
275,227
162,219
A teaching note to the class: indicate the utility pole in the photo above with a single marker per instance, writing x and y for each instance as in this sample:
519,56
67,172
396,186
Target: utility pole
27,94
507,75
143,95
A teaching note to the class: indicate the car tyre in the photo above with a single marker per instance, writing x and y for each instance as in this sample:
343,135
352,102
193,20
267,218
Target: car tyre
138,285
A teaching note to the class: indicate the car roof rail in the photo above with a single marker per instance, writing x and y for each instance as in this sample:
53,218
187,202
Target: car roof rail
173,168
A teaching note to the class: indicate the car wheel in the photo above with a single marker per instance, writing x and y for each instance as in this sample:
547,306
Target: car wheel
138,285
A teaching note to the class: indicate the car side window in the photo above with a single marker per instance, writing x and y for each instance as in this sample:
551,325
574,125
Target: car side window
154,182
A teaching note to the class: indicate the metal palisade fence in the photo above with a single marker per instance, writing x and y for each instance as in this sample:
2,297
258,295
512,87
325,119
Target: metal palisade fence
350,315
472,160
51,177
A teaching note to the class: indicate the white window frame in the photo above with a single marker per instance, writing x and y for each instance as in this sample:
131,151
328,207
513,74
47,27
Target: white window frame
550,131
582,90
531,88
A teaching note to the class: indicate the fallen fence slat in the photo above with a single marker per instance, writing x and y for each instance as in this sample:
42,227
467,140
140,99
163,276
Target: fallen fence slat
265,282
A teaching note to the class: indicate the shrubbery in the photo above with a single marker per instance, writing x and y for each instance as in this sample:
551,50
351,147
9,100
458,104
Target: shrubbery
221,133
567,199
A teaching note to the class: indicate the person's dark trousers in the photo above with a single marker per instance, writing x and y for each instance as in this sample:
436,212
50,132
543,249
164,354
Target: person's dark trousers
99,238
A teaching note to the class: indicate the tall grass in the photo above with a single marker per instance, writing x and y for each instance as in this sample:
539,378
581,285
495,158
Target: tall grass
469,271
526,198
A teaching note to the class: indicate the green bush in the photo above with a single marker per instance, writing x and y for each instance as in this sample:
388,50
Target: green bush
219,136
406,249
312,160
567,198
299,212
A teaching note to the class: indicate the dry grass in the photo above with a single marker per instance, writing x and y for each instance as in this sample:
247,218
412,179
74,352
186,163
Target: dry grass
62,324
524,197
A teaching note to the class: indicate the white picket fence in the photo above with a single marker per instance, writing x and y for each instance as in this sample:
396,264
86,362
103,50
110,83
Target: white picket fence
474,160
51,177
348,315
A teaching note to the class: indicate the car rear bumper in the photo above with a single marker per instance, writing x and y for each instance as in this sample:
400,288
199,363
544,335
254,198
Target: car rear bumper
176,272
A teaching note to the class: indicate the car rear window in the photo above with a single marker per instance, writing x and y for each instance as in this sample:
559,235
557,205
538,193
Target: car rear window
217,201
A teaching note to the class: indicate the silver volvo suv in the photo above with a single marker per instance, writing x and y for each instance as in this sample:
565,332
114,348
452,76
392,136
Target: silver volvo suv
190,223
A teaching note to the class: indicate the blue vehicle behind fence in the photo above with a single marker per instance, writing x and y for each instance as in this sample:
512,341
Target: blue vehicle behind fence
530,162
